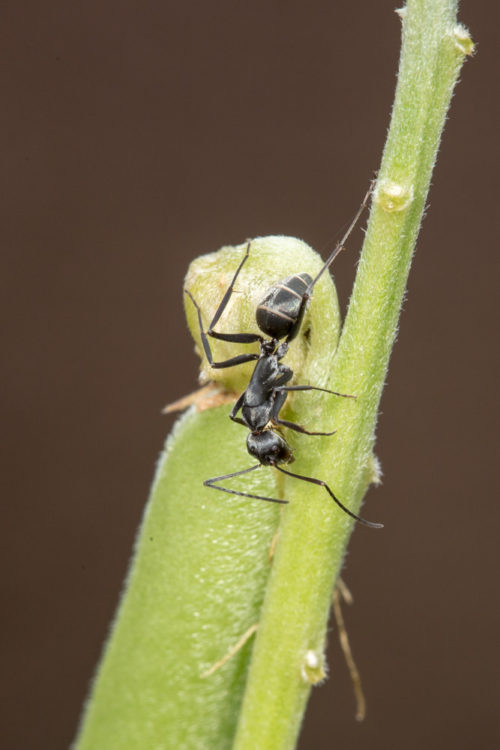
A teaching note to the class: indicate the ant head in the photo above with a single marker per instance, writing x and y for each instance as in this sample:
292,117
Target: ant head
269,447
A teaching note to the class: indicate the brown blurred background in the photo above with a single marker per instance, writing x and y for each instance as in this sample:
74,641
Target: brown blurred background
138,135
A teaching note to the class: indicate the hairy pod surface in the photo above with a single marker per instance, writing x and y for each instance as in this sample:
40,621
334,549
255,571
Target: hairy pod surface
271,260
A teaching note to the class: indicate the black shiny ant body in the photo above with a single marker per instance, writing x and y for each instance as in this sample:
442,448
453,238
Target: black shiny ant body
279,316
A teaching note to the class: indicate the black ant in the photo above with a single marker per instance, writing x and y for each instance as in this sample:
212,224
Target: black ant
279,316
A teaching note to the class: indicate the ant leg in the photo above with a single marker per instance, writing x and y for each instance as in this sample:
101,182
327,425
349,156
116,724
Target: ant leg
321,483
312,388
338,248
229,291
298,428
279,400
211,483
235,410
242,338
236,338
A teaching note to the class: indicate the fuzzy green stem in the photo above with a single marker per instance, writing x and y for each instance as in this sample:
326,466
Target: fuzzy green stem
288,652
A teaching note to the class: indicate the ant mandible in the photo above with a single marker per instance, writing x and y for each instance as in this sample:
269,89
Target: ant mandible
279,316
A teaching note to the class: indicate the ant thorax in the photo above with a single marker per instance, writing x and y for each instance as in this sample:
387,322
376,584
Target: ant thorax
272,349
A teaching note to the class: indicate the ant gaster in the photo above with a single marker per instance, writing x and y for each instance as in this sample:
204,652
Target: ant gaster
279,316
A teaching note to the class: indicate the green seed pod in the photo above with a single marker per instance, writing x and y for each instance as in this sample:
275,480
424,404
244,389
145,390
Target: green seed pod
271,260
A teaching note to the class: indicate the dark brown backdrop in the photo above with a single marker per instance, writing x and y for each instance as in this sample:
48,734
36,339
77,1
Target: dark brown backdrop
137,135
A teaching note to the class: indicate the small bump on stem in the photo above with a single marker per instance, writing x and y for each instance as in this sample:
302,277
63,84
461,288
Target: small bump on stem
462,39
374,470
313,668
393,196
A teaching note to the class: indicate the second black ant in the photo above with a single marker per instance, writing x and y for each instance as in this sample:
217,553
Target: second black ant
279,316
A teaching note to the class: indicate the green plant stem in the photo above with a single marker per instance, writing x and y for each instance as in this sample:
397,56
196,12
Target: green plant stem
288,653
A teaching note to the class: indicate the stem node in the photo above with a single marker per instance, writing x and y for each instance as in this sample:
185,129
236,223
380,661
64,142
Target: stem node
462,39
393,196
313,669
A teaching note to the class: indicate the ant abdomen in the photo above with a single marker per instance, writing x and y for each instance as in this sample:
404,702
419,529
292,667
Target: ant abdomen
279,311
